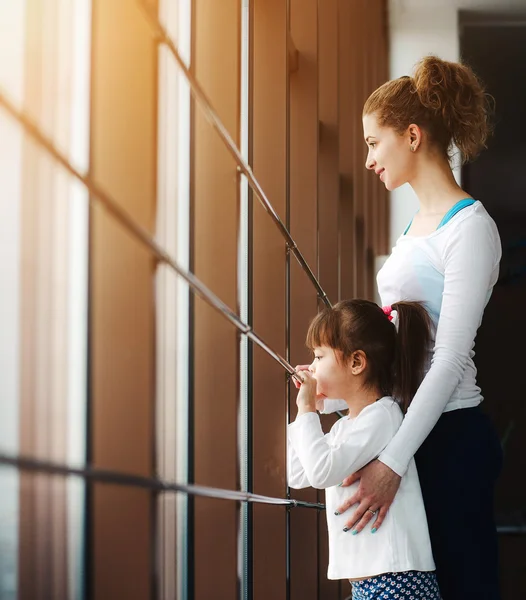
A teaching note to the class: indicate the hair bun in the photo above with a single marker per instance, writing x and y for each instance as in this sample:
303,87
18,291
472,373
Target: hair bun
454,94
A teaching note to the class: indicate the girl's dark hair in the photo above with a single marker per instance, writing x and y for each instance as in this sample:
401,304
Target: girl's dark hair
395,359
446,99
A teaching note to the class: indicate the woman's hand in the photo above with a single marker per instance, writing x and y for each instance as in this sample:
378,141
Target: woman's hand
378,487
320,398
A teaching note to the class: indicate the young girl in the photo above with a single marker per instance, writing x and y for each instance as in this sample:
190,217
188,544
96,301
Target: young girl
365,355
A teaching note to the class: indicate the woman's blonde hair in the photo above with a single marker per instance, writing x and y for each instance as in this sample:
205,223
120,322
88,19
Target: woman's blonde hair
446,99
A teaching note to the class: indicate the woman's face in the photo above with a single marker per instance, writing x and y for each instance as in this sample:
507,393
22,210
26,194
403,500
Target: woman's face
389,153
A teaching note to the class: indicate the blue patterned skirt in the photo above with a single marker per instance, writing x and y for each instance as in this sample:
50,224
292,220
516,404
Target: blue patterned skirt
411,585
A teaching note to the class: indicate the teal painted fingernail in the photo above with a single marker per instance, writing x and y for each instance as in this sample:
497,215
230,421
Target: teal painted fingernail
354,531
373,530
337,514
340,484
346,529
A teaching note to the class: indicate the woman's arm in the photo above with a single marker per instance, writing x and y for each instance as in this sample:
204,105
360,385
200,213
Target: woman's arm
470,270
325,463
470,261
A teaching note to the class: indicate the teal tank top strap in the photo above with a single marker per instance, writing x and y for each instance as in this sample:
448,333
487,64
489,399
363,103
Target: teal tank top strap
450,213
454,210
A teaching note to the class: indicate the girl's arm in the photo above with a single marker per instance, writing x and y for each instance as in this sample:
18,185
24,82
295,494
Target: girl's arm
296,476
325,464
470,270
324,405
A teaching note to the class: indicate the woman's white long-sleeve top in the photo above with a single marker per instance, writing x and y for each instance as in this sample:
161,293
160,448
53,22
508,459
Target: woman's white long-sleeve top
452,271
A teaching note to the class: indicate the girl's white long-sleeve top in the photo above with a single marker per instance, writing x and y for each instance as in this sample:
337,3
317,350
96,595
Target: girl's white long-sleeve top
319,460
452,271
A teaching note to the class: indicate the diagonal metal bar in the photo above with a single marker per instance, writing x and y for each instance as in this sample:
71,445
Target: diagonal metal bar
149,483
162,486
99,195
164,38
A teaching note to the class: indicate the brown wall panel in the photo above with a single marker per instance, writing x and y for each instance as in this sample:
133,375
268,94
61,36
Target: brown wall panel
363,67
356,33
216,64
328,208
348,133
123,162
328,172
366,20
122,542
304,551
382,75
269,147
303,164
329,589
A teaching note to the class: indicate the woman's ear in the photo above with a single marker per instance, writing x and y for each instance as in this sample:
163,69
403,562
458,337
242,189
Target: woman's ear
414,134
358,362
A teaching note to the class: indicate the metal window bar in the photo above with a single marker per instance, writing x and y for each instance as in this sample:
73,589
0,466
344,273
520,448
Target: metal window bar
159,485
198,287
96,193
244,296
99,195
150,483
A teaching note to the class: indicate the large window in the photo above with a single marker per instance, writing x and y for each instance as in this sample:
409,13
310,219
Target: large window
186,189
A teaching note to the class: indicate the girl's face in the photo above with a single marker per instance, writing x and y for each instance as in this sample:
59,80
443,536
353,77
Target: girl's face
389,153
332,377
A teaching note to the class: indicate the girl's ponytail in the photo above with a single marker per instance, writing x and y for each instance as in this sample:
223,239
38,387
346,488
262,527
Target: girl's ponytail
412,347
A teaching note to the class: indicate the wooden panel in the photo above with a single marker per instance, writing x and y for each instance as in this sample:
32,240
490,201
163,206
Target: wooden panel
375,74
356,32
366,64
269,147
216,63
382,74
348,137
303,164
328,210
328,171
122,527
366,26
123,161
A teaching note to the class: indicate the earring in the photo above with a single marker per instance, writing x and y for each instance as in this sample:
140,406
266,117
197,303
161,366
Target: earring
413,148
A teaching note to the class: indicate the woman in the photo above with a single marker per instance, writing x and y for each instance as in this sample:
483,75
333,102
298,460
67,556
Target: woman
448,258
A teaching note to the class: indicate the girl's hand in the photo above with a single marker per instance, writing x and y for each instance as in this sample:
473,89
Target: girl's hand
378,487
320,398
306,400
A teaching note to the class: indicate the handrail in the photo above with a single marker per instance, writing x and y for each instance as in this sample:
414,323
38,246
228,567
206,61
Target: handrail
96,193
150,483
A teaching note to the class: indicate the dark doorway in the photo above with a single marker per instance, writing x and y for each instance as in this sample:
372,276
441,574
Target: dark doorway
495,46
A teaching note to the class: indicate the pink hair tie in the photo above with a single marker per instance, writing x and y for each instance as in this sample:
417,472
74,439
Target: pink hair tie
387,311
